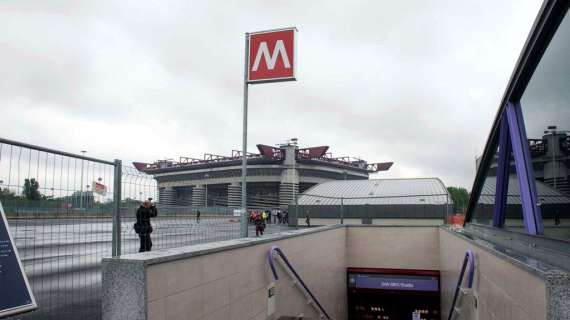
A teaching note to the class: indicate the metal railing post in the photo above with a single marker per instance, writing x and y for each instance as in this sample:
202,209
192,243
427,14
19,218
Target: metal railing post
117,208
341,210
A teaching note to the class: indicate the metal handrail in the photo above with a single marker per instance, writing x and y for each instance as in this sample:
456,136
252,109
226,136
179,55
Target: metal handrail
284,257
468,259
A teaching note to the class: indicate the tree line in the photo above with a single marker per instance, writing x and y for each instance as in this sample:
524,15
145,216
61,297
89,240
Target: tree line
30,191
460,198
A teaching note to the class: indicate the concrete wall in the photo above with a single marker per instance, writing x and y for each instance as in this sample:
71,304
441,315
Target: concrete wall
503,290
393,247
380,222
228,280
327,222
408,222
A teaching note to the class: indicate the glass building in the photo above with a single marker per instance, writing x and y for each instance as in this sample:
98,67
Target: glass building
521,189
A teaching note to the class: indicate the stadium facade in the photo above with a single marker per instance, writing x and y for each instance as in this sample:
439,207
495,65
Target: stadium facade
275,175
550,156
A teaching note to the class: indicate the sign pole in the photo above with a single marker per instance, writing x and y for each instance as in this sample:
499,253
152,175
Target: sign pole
245,218
279,65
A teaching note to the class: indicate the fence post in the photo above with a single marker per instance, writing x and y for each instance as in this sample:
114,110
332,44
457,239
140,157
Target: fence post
341,210
447,217
117,209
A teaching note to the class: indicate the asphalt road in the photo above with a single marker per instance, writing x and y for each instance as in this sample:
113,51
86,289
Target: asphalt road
62,257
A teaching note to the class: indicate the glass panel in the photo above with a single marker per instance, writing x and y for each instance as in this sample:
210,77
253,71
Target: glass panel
483,213
513,214
546,111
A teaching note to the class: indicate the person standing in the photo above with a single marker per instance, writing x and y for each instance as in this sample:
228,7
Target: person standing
154,211
198,216
264,215
308,220
143,227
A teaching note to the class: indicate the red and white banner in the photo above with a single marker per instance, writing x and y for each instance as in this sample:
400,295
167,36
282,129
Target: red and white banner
271,56
99,188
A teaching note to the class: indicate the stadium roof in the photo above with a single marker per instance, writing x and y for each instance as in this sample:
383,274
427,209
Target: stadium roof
430,191
546,194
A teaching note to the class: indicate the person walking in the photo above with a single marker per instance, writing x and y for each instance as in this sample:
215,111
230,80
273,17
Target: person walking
259,225
198,216
308,220
143,227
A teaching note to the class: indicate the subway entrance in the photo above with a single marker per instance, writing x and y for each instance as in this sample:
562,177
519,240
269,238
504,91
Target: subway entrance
393,294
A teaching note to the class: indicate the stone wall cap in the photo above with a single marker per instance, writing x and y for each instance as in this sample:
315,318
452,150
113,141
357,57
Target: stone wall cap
173,254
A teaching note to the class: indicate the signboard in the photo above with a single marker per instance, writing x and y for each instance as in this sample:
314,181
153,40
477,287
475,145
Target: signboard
271,56
237,212
416,315
394,282
271,290
99,188
15,294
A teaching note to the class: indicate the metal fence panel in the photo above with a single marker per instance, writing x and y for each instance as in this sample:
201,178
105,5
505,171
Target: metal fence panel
400,208
67,212
175,226
58,207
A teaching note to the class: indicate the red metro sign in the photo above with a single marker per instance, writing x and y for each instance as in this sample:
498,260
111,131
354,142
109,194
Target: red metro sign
271,56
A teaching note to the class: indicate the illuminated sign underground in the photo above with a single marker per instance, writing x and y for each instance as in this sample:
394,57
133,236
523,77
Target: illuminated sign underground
393,282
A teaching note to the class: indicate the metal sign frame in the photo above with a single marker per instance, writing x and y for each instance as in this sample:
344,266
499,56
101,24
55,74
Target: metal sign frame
293,65
246,83
27,307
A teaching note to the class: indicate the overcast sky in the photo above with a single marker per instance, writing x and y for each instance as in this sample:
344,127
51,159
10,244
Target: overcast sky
414,82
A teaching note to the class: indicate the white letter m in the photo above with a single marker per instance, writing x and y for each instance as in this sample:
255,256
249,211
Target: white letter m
270,60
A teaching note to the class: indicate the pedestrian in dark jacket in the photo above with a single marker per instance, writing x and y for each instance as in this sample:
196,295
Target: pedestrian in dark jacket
197,216
259,225
143,227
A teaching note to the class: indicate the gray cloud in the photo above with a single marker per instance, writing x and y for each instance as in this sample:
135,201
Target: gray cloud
415,83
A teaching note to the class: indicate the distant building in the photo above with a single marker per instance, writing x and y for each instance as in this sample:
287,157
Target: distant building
550,160
420,201
275,176
76,202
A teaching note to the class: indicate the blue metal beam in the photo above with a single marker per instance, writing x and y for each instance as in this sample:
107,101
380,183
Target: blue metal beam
531,211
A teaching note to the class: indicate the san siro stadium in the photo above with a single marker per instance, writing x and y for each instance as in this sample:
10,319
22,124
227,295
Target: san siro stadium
275,175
